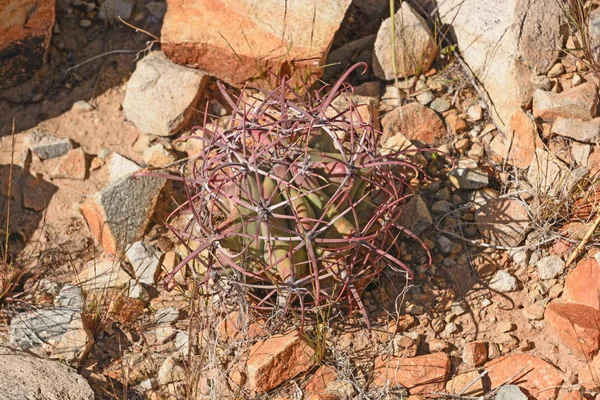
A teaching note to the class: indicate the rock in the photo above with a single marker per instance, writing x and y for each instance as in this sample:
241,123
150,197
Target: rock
579,102
589,375
415,122
413,46
550,267
467,175
276,360
164,333
524,139
319,381
112,10
25,376
119,166
157,9
37,193
442,207
475,112
499,147
182,343
44,326
170,371
549,175
475,354
237,55
581,153
445,245
415,215
440,105
510,392
461,381
539,378
137,291
534,312
577,80
425,96
343,57
71,166
85,23
25,33
45,146
70,296
505,43
503,222
145,262
120,212
503,282
456,121
541,82
583,131
483,196
102,275
167,315
158,156
420,375
556,70
576,325
397,142
504,326
160,95
75,343
583,284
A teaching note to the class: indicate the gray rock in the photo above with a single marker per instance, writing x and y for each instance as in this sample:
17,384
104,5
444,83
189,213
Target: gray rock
580,102
412,41
445,245
112,9
157,8
503,282
583,131
475,112
182,340
167,315
161,95
541,82
341,58
581,153
519,257
70,296
425,97
75,343
440,105
119,166
32,329
467,175
46,146
510,392
25,376
550,267
137,290
164,333
415,216
145,261
442,207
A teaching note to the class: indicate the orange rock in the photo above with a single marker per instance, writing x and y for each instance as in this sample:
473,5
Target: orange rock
577,325
475,354
574,395
319,381
276,360
404,323
233,327
537,378
415,122
455,121
236,44
420,375
71,165
583,284
25,33
525,139
503,221
589,376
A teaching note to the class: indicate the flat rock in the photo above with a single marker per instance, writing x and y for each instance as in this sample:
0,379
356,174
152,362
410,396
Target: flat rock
120,212
75,343
583,131
467,175
503,282
412,45
101,275
158,156
536,377
510,392
25,33
45,145
71,166
583,284
145,261
161,95
296,46
460,381
119,166
25,376
277,360
576,325
420,375
579,102
416,122
45,326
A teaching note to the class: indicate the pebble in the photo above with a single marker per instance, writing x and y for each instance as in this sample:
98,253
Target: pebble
442,207
550,267
534,312
503,282
440,105
85,23
445,245
167,315
475,112
510,392
556,70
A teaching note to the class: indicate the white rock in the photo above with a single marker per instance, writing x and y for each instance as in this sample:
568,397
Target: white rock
550,267
145,261
503,282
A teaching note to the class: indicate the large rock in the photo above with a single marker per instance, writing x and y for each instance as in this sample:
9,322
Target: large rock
536,377
420,375
580,102
412,45
120,212
25,33
277,360
161,95
415,122
503,222
239,40
45,326
505,43
24,376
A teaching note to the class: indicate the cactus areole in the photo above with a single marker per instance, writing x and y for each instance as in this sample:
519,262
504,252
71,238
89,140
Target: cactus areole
294,202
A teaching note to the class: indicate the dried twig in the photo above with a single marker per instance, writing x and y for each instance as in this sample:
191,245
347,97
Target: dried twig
584,241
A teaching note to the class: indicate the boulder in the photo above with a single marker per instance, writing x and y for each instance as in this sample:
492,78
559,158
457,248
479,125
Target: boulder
505,43
161,95
25,33
414,47
239,40
25,376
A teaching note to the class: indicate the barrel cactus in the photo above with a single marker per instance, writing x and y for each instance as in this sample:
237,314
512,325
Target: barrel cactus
294,202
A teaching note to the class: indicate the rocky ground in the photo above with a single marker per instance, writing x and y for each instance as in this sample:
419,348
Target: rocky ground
507,196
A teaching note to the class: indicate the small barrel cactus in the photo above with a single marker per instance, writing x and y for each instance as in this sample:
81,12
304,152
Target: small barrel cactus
294,201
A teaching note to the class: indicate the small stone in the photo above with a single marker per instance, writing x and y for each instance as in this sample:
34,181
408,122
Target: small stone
442,207
415,216
82,106
96,163
71,166
475,112
461,381
420,375
468,176
534,312
511,392
37,193
167,315
69,296
75,343
556,70
445,245
112,10
415,122
581,153
425,97
440,105
164,333
504,327
119,166
550,267
483,196
577,80
182,343
158,156
475,354
46,146
145,261
503,282
101,275
170,371
455,121
579,102
541,82
85,23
